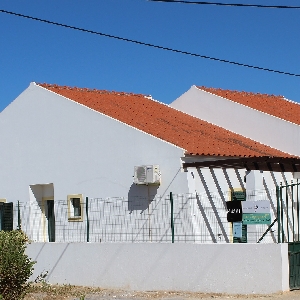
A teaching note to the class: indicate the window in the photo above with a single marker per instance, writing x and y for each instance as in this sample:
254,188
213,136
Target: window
75,208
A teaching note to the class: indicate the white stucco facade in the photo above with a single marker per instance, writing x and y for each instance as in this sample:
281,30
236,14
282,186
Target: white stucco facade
241,119
53,147
47,138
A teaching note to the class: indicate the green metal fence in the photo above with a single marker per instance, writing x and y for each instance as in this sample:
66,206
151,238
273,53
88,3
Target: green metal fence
288,212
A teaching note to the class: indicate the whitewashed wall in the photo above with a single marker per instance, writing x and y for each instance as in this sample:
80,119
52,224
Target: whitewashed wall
241,119
224,268
47,138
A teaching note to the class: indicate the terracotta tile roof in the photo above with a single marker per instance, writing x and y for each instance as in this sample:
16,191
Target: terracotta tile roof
160,120
273,105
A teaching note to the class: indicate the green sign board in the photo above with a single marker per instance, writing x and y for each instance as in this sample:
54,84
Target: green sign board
255,218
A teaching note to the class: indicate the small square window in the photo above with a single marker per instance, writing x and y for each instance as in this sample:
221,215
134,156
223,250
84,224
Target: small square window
75,209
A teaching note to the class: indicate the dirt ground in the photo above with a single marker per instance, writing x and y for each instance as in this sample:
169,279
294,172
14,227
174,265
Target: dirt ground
47,292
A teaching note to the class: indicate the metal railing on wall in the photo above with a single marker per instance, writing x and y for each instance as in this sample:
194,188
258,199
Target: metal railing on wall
288,212
175,218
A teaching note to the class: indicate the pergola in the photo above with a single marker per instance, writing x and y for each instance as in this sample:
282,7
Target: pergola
263,163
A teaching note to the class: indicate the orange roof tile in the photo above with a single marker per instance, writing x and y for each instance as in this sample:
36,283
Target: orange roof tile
273,105
162,121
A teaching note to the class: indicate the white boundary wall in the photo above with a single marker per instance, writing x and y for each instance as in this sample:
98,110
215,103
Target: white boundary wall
219,268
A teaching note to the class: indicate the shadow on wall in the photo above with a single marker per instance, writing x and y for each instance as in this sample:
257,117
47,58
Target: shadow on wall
39,192
36,195
140,196
213,206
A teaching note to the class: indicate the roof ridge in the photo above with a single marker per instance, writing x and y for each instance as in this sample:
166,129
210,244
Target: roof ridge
148,97
245,92
222,127
250,93
66,87
166,123
266,103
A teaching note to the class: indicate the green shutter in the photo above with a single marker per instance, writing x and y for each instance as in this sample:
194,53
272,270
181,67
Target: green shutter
6,216
241,196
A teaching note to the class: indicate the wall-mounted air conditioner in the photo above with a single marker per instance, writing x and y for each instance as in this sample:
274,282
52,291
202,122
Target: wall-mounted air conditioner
149,174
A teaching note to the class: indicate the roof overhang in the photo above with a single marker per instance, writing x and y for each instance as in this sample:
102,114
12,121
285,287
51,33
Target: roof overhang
264,163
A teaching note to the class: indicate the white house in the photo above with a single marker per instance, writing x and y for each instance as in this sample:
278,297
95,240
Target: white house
60,145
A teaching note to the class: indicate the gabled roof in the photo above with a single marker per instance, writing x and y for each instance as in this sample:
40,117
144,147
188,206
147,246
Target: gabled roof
273,105
196,136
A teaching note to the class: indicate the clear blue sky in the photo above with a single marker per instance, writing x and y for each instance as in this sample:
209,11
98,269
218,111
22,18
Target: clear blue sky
33,51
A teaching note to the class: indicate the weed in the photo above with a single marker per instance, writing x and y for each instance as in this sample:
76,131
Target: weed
15,266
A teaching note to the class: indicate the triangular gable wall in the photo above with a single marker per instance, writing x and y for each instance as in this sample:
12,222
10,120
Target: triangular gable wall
49,138
241,119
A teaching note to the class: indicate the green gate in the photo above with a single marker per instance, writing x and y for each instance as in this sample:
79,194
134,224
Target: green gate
288,216
294,264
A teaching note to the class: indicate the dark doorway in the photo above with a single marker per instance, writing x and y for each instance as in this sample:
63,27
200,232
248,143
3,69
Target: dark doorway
51,220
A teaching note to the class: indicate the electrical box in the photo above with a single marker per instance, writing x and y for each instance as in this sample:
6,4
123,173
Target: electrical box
149,174
296,175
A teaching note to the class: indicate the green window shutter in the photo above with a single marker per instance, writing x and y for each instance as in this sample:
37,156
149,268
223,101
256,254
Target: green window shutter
241,196
6,211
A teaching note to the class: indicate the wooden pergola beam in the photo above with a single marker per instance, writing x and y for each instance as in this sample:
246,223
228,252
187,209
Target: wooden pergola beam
276,164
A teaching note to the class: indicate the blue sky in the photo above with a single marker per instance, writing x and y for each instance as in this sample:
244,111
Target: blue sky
34,51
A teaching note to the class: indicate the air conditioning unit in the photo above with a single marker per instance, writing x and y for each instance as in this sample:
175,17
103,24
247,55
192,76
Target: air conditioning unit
149,174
